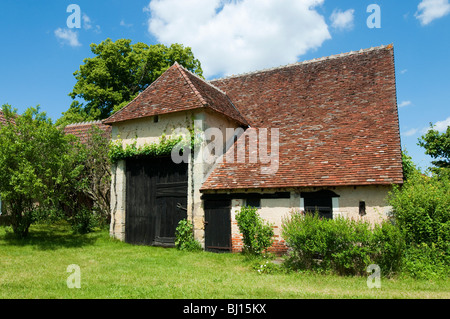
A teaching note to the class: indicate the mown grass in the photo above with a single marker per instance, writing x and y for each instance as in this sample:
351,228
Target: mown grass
36,267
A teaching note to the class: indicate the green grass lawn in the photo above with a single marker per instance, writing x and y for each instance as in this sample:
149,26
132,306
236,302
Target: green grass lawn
36,267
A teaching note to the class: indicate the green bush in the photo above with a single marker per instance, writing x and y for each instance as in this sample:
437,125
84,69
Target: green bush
426,262
257,235
388,247
84,221
421,208
184,237
341,245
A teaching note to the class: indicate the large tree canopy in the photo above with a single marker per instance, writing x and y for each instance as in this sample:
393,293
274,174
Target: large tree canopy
117,73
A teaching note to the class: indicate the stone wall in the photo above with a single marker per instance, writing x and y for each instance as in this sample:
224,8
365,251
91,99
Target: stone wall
147,131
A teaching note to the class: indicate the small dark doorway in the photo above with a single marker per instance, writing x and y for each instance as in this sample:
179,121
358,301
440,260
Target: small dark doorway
217,225
156,200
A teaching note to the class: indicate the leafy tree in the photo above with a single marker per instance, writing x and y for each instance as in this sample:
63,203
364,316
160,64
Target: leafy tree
38,166
437,145
118,72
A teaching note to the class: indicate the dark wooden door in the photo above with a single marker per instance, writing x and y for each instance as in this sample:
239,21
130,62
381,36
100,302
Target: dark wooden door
217,225
156,200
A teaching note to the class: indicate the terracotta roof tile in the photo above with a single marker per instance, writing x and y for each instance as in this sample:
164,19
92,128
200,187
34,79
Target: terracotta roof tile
3,118
337,119
177,90
81,130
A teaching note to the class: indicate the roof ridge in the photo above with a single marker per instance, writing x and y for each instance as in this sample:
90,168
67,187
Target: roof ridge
85,123
191,85
106,122
315,60
203,80
212,86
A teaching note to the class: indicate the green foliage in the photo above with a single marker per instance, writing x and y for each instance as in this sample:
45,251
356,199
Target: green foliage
421,208
165,146
342,245
39,167
267,267
118,72
95,179
257,234
84,221
118,152
428,262
409,168
77,114
437,145
184,237
388,246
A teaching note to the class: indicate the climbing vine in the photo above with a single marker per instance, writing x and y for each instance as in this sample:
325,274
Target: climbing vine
117,151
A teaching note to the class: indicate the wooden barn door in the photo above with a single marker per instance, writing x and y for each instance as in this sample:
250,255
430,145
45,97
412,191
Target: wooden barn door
217,225
156,199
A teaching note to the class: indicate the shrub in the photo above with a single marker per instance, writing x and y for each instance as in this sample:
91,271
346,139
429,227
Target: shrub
421,208
342,245
388,247
257,235
184,237
84,221
426,262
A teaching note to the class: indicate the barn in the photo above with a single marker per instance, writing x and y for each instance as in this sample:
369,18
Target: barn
315,135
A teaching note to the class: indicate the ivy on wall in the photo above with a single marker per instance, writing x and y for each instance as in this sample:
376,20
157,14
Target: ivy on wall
117,151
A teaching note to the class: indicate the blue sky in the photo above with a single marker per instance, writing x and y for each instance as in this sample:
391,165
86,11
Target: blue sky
39,52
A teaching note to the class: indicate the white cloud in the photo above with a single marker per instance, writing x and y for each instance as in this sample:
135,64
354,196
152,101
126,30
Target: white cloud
87,24
342,20
126,25
429,10
410,132
230,36
404,103
67,36
403,71
441,126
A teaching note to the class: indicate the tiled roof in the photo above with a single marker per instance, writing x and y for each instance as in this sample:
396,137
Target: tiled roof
81,130
176,90
337,119
3,119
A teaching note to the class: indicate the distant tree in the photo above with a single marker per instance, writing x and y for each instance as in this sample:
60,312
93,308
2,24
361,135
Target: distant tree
437,145
39,167
118,72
